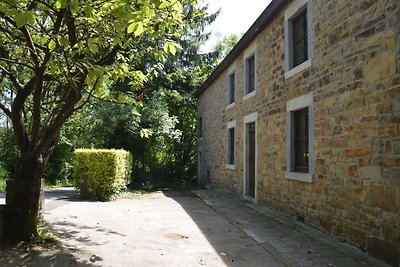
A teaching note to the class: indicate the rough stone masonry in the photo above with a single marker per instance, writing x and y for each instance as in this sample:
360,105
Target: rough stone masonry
354,79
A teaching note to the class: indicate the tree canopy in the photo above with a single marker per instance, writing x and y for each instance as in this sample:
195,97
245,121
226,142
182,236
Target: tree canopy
56,54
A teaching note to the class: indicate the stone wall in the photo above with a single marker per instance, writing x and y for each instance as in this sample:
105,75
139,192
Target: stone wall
355,79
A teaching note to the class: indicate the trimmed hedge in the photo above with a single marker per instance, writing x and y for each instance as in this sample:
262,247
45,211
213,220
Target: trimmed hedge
102,172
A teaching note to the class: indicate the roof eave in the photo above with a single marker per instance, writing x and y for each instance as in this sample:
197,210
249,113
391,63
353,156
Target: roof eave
266,17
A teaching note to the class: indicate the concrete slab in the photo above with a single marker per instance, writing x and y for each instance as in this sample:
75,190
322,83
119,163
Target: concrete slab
293,243
158,229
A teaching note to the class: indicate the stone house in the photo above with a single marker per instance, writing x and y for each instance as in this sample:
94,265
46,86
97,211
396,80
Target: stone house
303,116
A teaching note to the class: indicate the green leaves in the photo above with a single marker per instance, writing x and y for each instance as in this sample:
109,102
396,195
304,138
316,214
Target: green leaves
136,28
22,19
170,47
52,45
61,4
145,133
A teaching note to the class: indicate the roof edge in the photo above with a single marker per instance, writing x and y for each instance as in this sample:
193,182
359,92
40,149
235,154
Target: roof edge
269,14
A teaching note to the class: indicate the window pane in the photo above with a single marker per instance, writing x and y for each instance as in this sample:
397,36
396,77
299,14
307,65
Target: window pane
251,74
231,146
232,88
301,150
299,38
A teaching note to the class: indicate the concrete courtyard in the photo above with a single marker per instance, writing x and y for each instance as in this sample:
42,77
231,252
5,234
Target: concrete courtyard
168,228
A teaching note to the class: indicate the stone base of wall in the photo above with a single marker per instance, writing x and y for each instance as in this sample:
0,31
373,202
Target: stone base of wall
383,250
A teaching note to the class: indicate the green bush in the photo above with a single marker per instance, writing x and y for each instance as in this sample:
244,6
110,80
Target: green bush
104,171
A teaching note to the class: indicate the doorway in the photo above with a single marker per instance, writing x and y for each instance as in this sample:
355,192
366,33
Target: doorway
250,161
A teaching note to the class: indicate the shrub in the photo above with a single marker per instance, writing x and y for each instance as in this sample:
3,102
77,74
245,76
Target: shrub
102,172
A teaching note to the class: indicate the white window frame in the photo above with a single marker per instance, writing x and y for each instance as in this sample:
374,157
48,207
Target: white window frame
291,12
292,106
230,125
250,118
231,70
248,53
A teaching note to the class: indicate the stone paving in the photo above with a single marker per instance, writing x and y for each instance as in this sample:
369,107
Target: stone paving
292,242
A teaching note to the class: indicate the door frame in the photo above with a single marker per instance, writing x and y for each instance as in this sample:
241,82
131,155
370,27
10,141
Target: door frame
199,167
250,118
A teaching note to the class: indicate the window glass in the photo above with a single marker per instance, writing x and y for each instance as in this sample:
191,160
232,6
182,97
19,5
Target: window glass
299,38
231,146
301,140
251,74
231,89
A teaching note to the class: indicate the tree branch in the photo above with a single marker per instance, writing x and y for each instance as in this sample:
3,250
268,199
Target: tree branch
89,96
31,45
13,78
5,110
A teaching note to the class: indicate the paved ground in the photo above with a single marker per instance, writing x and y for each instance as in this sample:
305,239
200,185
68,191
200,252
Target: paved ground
158,229
176,229
292,242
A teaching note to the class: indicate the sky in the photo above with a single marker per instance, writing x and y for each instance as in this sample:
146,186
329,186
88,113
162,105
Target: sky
236,17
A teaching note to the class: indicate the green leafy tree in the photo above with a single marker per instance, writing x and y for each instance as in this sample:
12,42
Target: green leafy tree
225,44
55,55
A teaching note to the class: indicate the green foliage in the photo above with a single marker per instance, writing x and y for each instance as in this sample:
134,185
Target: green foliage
56,55
225,44
59,167
8,153
106,172
3,185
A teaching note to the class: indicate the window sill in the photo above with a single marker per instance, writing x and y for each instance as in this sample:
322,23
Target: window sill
299,176
245,97
298,69
230,166
231,105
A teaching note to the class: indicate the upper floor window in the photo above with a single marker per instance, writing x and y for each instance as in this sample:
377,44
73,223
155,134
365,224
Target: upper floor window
298,36
231,88
250,74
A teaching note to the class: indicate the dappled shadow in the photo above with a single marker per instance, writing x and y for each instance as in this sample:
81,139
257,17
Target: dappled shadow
71,231
79,226
48,256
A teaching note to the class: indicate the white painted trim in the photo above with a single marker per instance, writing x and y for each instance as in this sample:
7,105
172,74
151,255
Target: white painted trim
299,176
250,118
230,166
231,124
228,85
249,95
294,8
303,101
232,68
246,120
250,50
300,102
298,68
231,105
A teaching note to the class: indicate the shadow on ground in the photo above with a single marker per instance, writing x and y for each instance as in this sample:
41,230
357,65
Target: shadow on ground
48,256
223,235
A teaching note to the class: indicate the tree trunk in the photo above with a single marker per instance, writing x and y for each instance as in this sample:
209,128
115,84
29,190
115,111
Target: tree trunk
23,199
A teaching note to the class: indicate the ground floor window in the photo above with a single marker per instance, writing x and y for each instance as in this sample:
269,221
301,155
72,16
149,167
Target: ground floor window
300,138
230,162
